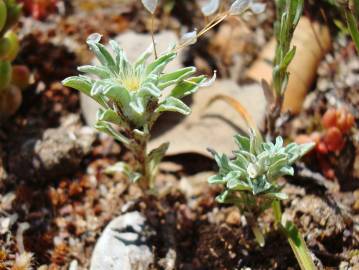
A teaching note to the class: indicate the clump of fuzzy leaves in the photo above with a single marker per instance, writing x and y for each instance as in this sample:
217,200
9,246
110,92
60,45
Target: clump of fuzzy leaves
250,178
132,98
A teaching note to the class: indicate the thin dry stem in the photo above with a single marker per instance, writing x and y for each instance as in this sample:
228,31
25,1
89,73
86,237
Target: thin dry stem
153,34
215,21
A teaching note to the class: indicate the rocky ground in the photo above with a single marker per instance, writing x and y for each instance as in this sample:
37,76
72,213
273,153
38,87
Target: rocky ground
56,200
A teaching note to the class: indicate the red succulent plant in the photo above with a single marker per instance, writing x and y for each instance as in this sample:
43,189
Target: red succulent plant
336,124
39,9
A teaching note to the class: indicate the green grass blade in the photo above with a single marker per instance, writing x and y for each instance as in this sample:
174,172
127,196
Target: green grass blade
353,27
299,247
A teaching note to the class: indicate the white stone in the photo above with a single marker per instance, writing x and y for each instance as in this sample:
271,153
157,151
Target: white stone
120,249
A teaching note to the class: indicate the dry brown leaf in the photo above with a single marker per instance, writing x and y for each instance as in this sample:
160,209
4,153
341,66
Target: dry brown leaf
212,126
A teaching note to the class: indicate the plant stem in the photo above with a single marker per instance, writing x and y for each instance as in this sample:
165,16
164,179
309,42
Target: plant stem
218,19
141,156
153,35
299,247
277,211
295,239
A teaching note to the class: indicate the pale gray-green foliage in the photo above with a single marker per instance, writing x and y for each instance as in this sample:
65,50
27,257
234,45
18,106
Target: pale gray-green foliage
254,171
126,90
131,95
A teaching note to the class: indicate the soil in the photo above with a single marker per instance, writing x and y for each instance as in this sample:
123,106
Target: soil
209,236
58,212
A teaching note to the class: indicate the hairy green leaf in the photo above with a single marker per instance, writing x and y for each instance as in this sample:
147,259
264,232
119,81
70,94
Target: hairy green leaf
172,104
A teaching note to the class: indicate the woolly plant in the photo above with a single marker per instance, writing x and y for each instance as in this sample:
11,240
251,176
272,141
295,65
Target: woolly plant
250,182
132,97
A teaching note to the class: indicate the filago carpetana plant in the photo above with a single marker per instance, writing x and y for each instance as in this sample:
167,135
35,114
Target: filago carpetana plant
250,181
132,98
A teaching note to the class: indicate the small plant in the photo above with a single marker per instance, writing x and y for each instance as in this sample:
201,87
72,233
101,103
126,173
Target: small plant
338,118
12,78
132,98
288,16
336,124
250,179
132,95
250,183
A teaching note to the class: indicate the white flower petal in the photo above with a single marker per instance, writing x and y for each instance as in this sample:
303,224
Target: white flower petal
239,6
258,8
189,38
210,7
150,5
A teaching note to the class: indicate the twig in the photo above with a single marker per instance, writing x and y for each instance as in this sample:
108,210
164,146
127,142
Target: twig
153,35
